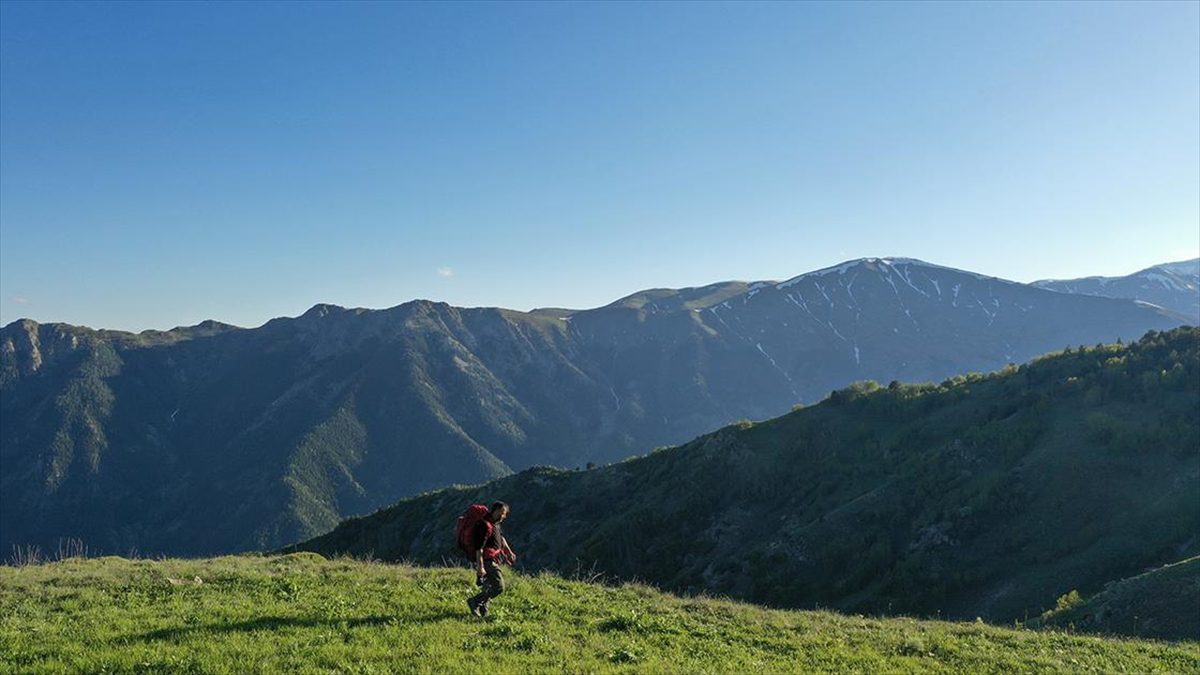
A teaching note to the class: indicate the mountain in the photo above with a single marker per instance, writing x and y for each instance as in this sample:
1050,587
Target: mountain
214,438
1185,267
984,496
1163,603
1174,286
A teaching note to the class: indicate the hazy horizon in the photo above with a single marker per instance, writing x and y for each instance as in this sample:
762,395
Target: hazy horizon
310,305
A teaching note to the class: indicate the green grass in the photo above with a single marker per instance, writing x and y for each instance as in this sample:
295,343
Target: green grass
303,613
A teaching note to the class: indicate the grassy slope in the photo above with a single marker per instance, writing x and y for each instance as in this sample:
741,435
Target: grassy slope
303,613
1162,603
985,496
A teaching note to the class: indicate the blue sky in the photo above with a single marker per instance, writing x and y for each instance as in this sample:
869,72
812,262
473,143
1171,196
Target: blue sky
161,164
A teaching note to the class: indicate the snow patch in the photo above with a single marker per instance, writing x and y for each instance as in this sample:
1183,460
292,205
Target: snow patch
904,275
1166,281
764,353
754,288
1143,303
827,299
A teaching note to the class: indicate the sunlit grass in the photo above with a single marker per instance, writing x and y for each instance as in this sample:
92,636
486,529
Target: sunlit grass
303,613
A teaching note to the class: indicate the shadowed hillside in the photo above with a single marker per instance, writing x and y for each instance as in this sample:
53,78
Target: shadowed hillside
214,438
1163,603
985,495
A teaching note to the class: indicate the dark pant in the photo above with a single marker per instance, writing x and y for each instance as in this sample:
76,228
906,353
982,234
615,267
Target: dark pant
493,582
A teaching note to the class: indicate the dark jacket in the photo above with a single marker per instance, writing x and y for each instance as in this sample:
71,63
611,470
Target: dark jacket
483,541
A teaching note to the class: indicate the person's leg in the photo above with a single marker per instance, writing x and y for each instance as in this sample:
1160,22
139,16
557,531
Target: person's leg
493,585
476,602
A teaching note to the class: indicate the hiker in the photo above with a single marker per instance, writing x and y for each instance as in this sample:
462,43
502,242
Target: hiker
480,537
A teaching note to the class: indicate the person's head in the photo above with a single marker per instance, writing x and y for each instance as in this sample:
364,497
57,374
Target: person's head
499,512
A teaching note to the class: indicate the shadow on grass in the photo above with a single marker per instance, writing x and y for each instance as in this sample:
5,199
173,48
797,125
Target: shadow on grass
272,623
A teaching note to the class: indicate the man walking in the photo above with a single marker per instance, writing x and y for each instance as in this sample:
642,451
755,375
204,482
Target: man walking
486,544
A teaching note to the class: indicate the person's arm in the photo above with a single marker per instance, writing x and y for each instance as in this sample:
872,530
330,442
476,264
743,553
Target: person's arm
479,562
512,555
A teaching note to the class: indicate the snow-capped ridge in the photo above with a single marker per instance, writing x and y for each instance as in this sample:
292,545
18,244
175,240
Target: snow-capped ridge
1168,280
1167,273
890,263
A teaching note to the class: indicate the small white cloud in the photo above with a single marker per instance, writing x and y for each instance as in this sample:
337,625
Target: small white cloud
21,301
445,272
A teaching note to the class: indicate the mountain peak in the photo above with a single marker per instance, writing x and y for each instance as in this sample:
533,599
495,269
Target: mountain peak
25,324
205,326
885,264
321,310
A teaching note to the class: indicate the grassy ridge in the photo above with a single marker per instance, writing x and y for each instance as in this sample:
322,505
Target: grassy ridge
303,613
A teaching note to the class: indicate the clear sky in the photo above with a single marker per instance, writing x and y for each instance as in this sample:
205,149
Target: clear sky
161,164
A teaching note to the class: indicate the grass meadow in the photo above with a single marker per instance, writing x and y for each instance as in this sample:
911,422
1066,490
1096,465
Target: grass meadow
303,613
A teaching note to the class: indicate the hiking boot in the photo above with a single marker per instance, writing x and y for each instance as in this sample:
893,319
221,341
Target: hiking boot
483,610
476,608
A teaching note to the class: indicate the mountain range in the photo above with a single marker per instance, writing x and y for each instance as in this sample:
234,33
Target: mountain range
214,438
1174,286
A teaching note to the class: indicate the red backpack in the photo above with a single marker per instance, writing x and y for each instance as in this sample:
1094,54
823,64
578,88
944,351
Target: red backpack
475,514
